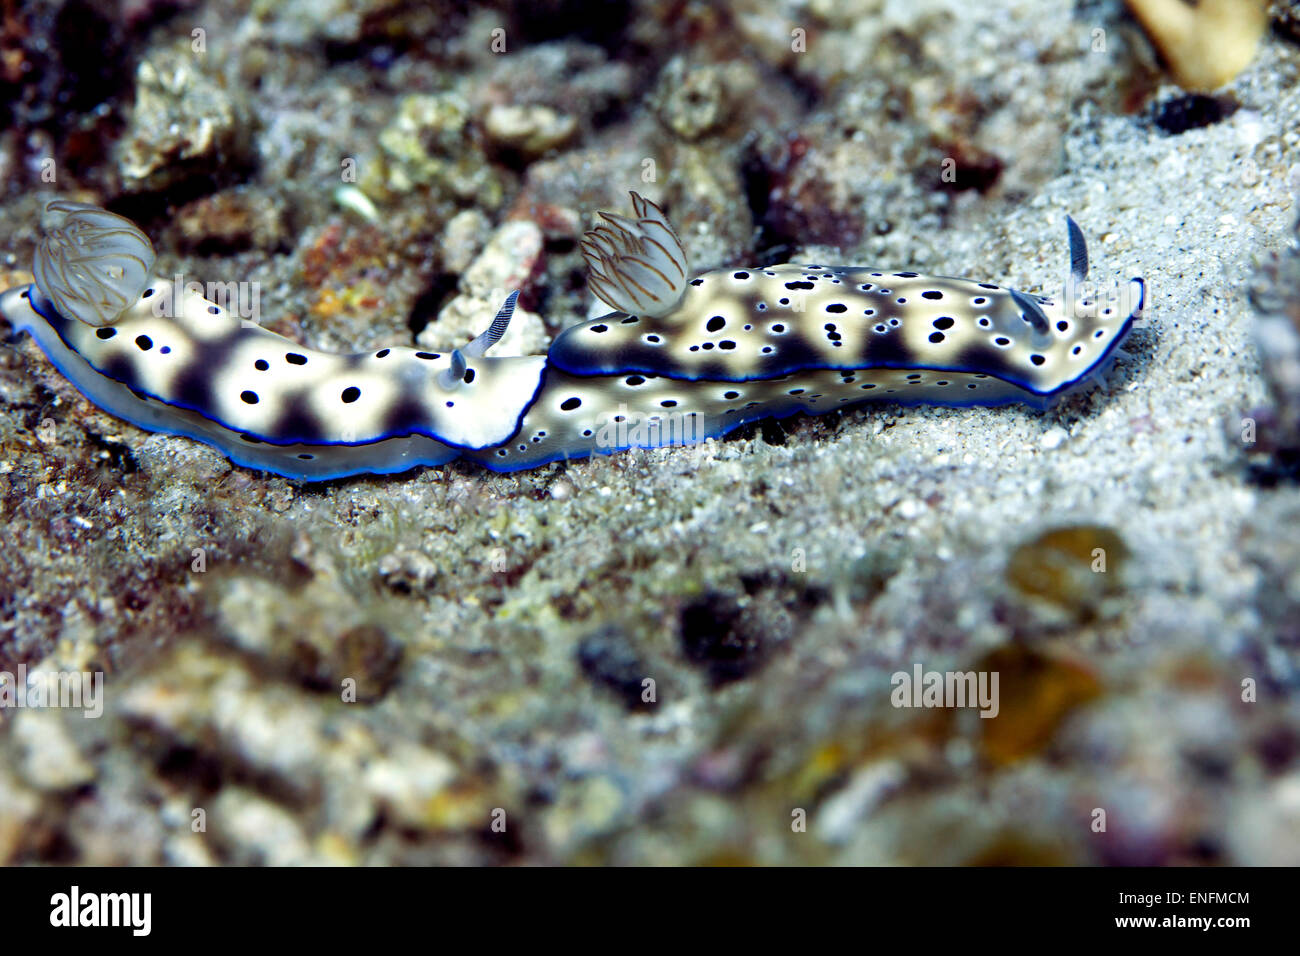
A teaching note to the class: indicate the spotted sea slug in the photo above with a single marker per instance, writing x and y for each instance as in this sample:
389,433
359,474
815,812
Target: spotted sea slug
681,359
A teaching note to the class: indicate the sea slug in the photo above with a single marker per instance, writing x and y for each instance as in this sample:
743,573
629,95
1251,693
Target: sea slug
683,358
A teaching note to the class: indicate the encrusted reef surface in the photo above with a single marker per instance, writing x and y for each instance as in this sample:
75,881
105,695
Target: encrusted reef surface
687,655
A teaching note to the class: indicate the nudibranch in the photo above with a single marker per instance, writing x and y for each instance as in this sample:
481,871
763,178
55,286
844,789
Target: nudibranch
684,358
175,362
681,359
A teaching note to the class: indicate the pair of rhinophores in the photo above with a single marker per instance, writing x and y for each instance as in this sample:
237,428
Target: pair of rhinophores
681,358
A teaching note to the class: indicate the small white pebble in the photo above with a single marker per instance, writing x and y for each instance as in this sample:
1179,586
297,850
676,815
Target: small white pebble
911,508
1053,437
354,200
1250,127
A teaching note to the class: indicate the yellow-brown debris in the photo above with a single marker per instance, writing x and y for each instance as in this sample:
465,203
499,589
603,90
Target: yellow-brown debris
1205,44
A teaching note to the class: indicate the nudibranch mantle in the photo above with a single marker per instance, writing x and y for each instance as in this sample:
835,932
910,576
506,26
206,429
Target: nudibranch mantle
740,325
681,359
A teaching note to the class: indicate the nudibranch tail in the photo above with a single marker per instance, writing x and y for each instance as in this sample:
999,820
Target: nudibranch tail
638,264
91,263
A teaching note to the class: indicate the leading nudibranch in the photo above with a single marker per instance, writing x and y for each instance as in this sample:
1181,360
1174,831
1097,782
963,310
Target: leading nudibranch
681,359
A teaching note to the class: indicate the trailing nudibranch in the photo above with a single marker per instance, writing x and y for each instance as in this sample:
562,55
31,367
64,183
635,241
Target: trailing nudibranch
197,370
681,359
